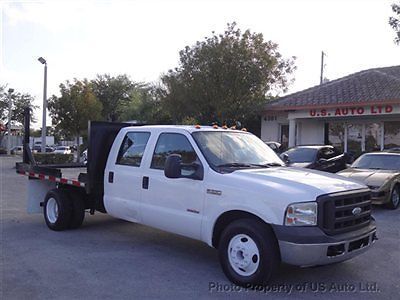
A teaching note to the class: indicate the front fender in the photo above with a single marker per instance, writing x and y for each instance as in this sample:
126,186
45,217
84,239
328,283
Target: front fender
210,219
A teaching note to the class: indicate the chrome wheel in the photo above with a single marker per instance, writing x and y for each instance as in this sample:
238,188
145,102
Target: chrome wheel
395,197
243,255
52,210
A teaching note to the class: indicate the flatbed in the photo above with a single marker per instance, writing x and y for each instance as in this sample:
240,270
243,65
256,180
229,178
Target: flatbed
86,180
75,176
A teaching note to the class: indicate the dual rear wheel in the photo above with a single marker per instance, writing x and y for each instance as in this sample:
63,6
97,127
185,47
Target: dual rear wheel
63,209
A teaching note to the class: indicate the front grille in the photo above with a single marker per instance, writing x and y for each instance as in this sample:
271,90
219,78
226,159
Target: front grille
345,211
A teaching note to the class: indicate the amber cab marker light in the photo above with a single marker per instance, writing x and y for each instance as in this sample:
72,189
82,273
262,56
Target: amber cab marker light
215,126
197,126
225,127
233,128
244,129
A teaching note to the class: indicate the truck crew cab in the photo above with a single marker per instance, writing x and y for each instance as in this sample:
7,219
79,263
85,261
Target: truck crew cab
221,186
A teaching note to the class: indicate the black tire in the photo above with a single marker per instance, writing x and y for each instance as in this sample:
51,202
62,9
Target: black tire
78,210
268,250
392,204
57,221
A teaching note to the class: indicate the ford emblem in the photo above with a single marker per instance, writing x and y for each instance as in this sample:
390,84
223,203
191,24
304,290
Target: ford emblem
356,211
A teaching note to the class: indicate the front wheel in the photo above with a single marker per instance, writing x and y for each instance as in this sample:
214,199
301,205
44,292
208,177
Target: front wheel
394,200
248,252
57,210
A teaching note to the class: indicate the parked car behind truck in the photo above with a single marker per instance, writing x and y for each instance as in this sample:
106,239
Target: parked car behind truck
380,171
63,150
275,146
223,187
17,150
319,157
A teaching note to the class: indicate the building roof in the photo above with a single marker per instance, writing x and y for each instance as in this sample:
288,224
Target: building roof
377,86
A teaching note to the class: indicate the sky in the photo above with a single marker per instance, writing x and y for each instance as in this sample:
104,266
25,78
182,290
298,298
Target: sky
80,39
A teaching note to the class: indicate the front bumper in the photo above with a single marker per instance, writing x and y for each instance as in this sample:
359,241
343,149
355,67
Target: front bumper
379,197
321,250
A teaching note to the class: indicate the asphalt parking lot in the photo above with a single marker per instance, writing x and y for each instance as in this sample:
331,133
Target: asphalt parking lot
109,258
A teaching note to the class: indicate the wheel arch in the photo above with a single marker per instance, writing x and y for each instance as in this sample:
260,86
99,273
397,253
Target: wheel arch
228,217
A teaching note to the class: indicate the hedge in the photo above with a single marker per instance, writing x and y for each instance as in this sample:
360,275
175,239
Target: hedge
53,158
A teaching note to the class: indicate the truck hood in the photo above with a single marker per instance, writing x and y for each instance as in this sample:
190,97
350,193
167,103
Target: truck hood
369,177
298,181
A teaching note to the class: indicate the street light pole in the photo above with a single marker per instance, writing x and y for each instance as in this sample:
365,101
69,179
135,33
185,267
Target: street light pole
321,79
43,61
10,91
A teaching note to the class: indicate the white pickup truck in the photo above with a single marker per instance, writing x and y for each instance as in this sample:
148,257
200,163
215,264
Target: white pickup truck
221,186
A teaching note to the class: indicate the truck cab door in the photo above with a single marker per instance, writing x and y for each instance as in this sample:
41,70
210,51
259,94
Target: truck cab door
123,177
174,205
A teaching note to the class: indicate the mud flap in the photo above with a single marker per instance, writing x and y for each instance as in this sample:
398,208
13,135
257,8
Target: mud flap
37,190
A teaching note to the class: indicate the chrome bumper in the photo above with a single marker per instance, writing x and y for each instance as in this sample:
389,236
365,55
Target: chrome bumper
306,255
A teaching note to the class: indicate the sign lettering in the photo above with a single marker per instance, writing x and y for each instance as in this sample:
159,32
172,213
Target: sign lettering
352,111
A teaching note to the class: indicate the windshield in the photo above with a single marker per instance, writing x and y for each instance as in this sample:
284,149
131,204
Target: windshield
301,155
235,150
378,161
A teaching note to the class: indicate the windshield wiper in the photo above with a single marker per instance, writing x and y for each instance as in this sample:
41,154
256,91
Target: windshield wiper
234,165
244,165
274,164
268,165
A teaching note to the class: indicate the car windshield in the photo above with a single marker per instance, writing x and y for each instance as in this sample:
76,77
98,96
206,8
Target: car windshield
378,161
235,150
301,155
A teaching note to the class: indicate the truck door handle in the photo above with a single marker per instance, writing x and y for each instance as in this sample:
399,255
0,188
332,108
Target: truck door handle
110,177
145,183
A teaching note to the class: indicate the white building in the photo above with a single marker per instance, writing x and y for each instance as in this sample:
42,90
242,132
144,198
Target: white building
356,113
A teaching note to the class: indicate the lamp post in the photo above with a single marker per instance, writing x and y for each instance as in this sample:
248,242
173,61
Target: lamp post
43,61
10,91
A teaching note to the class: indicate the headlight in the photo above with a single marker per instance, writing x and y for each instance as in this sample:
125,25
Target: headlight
374,187
301,214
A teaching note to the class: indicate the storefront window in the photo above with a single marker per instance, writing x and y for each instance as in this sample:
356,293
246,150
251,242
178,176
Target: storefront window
354,139
372,137
392,134
336,135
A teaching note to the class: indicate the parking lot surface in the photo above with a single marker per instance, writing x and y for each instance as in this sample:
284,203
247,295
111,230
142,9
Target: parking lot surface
113,259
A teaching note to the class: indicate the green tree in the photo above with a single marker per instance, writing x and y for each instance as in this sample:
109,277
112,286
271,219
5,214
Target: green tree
19,102
394,22
114,94
226,78
71,111
145,106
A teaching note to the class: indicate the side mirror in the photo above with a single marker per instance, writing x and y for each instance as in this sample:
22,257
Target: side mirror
285,158
322,161
173,168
